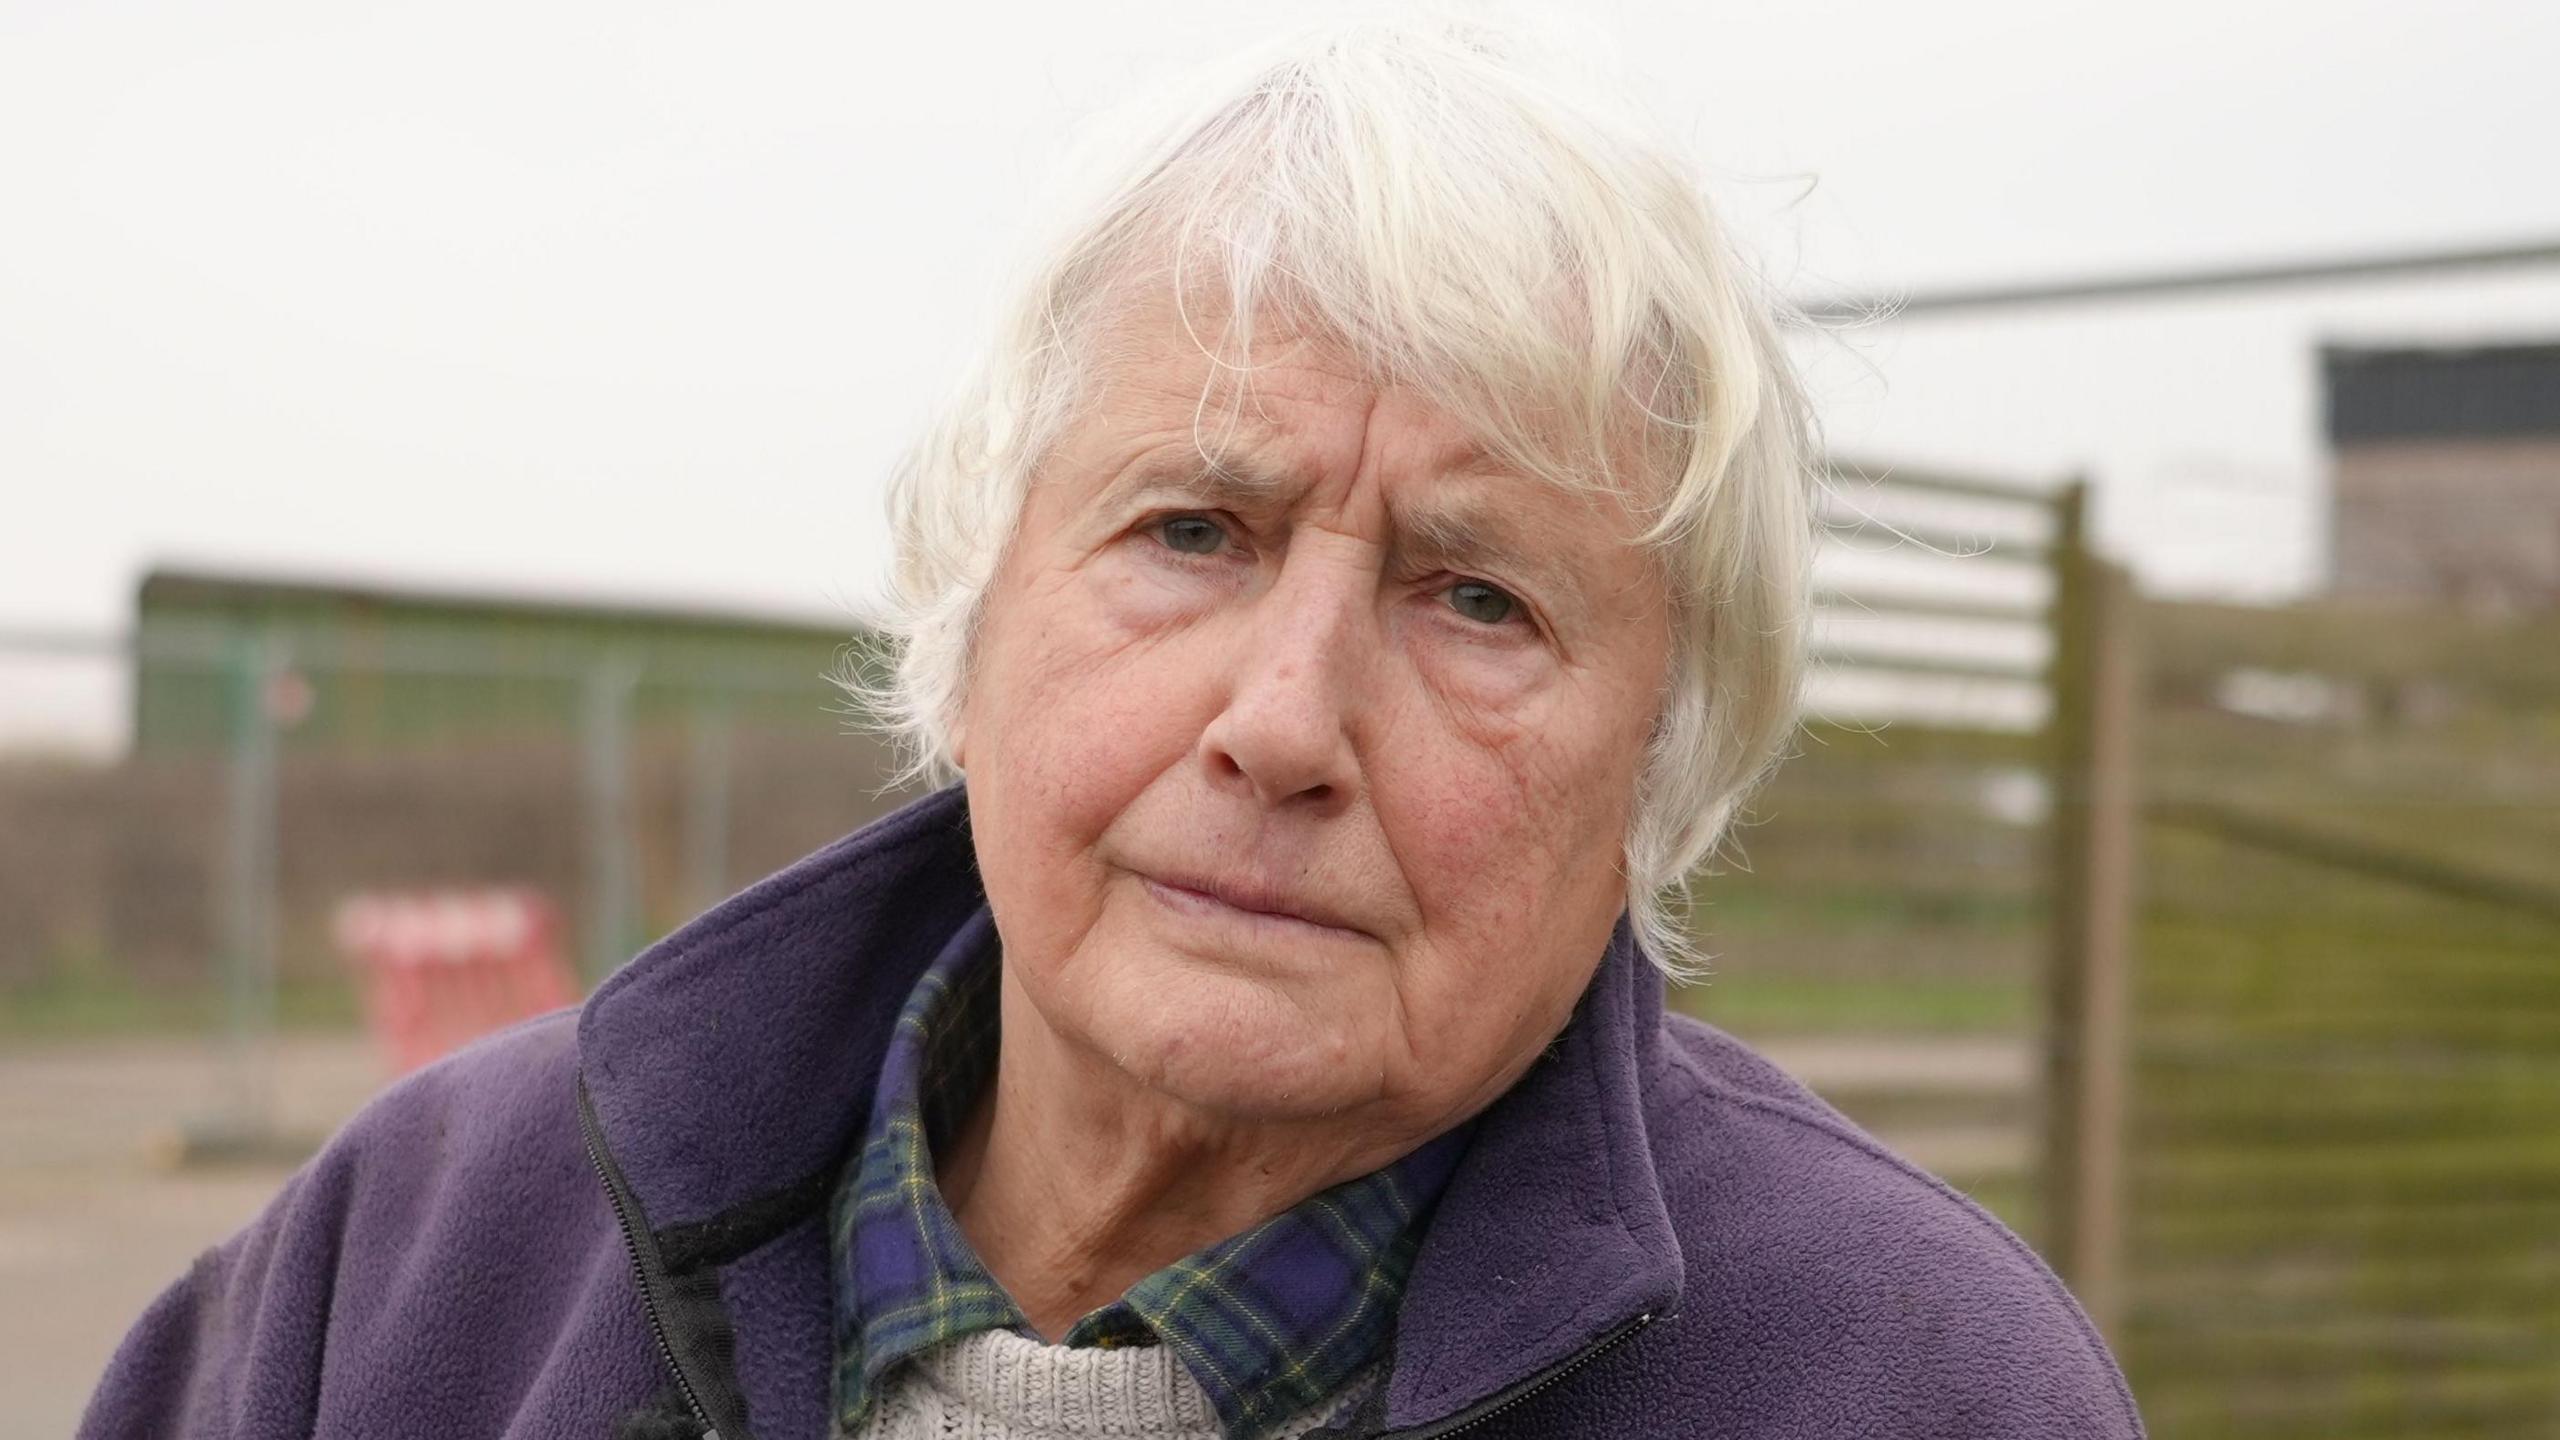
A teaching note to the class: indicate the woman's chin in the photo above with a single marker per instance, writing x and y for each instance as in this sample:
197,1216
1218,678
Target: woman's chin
1238,1045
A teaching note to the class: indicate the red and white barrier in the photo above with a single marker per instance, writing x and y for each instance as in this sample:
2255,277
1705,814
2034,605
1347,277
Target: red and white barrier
439,969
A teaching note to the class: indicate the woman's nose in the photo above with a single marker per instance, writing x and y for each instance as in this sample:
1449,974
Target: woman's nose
1297,680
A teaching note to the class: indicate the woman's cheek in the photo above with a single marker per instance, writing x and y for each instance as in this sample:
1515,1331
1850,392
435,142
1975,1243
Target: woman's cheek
1121,690
1459,818
1517,753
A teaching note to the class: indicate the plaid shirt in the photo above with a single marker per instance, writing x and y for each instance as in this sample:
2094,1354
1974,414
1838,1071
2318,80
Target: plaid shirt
1269,1321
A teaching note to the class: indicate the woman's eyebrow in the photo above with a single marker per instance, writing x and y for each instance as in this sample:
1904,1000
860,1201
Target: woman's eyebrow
1230,482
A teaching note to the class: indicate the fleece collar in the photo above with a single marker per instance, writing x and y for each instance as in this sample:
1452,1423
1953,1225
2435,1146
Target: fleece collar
737,1058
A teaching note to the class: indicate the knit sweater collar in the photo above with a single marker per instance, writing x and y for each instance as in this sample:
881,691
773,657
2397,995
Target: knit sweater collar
998,1383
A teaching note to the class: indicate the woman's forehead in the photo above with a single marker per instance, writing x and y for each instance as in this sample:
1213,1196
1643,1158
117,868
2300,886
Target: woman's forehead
1160,360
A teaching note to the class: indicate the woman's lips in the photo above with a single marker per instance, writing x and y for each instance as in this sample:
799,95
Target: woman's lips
1195,896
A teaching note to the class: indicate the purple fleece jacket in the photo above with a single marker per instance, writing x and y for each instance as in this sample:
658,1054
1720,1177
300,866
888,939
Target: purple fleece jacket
1655,1232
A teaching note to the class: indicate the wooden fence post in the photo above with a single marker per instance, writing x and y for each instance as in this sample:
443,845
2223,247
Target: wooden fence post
2095,835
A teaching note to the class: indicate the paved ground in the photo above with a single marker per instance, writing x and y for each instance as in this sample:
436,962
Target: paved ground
95,1219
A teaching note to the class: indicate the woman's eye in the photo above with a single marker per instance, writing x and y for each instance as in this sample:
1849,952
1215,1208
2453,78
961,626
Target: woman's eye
1191,534
1480,602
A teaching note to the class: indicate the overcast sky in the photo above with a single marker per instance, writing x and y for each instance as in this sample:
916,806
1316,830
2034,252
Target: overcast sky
639,300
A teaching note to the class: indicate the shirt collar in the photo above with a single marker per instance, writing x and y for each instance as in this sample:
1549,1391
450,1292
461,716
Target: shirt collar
1269,1321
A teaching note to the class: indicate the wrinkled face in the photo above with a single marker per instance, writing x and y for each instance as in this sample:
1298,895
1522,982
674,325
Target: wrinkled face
1300,781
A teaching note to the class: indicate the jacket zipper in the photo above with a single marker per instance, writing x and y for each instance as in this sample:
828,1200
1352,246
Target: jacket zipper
1494,1405
593,1133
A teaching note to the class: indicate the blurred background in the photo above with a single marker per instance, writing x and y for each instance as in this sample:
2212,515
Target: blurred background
440,463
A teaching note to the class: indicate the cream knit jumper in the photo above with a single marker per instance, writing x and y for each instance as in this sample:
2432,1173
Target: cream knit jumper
999,1385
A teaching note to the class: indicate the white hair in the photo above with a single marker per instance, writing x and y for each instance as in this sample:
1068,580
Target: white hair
1470,223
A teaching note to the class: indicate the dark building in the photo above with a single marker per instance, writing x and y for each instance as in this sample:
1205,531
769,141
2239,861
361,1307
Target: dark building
2445,474
632,762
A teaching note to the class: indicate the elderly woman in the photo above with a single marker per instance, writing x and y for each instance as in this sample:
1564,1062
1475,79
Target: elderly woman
1356,588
